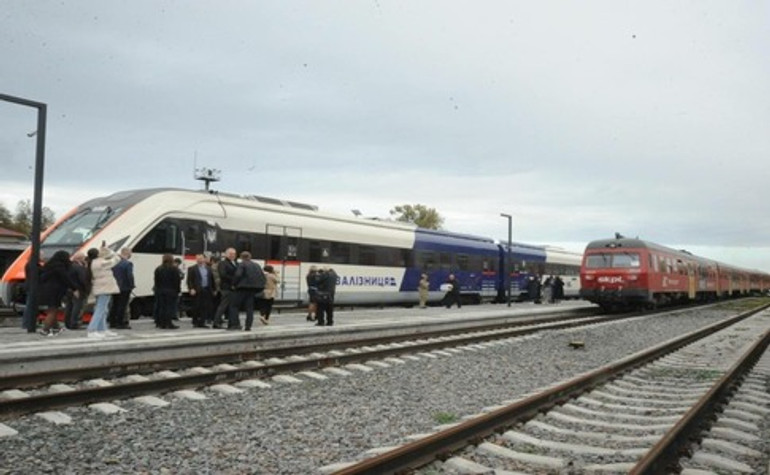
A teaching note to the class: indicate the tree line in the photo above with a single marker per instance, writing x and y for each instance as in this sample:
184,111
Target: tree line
21,219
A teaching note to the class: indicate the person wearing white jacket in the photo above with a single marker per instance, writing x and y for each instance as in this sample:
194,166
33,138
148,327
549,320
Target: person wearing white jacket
103,285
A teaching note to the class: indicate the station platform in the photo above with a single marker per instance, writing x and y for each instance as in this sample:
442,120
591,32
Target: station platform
23,353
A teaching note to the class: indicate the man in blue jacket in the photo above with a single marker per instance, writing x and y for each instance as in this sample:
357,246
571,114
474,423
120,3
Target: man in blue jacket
124,276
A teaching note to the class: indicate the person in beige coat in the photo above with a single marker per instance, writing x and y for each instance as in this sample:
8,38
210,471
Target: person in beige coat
423,287
103,285
268,295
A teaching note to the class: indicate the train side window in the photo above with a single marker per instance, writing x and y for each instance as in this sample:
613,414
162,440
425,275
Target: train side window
164,238
406,258
462,262
242,242
225,239
367,256
445,260
387,257
193,238
340,253
426,260
314,251
476,262
491,265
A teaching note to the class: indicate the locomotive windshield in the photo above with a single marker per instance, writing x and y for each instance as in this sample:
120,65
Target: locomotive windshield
613,260
80,227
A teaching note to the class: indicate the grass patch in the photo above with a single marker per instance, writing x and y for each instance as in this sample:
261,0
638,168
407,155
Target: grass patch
745,304
445,417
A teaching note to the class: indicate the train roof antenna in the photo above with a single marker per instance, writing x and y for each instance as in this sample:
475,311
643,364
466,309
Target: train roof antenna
208,175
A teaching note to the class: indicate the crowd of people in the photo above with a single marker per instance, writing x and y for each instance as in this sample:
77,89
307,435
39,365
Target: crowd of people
551,290
69,283
219,290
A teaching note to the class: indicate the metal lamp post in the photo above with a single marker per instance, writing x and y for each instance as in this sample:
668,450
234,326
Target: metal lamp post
33,277
508,258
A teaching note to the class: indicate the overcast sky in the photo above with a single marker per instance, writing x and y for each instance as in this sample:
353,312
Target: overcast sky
651,118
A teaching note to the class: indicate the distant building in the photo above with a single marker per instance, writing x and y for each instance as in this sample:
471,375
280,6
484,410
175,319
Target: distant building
12,243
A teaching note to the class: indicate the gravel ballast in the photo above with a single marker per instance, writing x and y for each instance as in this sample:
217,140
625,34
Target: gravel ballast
296,428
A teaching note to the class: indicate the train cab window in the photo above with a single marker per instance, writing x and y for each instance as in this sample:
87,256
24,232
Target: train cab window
598,261
81,226
164,238
463,262
626,260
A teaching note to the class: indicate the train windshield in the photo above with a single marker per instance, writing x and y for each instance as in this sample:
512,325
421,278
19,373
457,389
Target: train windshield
80,227
613,260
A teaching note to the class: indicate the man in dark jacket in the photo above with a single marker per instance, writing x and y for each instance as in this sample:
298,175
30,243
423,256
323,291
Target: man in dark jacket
327,287
76,299
248,281
124,276
200,284
453,292
226,270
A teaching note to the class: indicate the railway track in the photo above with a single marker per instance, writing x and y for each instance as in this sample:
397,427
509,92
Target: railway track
49,391
638,415
199,355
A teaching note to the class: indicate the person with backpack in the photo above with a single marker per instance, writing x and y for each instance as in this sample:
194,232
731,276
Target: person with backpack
55,280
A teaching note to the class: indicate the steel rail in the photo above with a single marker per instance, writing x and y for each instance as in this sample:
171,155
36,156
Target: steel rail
418,453
664,456
29,380
48,401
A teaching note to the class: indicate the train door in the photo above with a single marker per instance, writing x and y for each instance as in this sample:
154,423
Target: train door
691,276
282,254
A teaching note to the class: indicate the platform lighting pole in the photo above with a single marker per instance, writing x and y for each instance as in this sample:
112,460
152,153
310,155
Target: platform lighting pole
508,258
30,316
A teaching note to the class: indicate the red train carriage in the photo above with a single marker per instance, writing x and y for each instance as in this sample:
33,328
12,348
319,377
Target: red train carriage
622,272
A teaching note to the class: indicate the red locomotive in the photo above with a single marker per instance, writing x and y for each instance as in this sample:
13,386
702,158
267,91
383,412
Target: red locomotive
622,273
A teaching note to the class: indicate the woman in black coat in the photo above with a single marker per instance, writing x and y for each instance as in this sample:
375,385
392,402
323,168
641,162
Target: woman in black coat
55,280
167,287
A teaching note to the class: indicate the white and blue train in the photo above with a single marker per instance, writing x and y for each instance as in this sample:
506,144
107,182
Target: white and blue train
378,262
